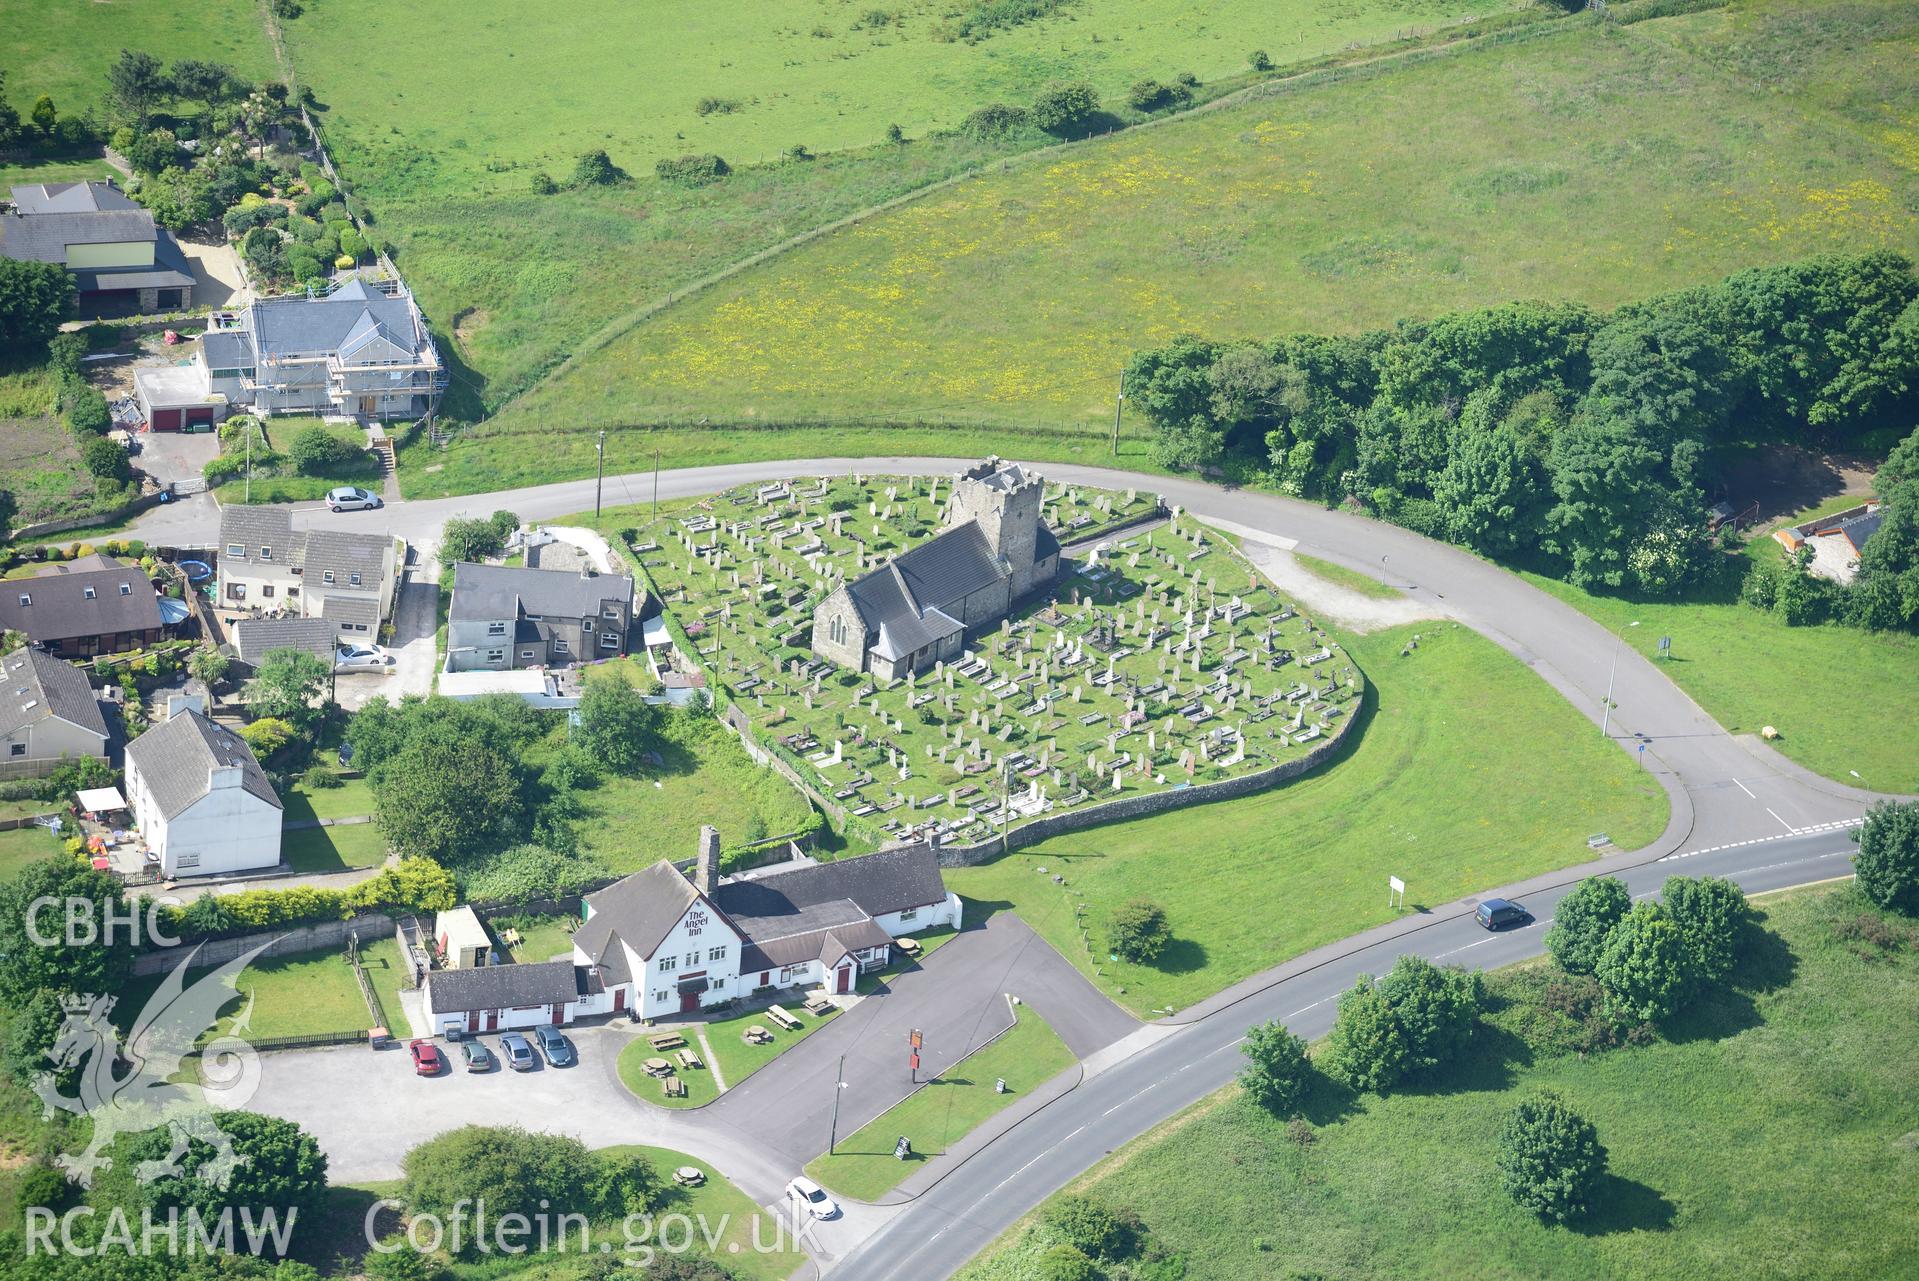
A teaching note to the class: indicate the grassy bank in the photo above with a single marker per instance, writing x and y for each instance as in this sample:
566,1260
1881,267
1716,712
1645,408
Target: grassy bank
1771,1135
1443,788
63,47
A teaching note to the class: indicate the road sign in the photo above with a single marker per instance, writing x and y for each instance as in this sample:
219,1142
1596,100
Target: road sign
915,1038
1396,891
1665,647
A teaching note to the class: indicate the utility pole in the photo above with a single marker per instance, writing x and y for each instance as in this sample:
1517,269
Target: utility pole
1006,799
656,482
1619,643
1119,406
839,1083
599,478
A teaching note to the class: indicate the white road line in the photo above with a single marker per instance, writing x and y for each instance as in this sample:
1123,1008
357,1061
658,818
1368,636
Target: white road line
1782,822
1747,790
1812,830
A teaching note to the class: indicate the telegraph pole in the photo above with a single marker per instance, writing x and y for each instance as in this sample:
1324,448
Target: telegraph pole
599,479
839,1083
656,481
1119,406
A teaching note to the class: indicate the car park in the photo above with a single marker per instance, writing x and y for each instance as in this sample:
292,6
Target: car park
1498,913
553,1044
427,1059
362,658
351,498
518,1052
811,1198
477,1057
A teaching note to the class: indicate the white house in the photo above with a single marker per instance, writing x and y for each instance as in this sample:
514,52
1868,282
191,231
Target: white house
347,579
499,998
47,715
200,799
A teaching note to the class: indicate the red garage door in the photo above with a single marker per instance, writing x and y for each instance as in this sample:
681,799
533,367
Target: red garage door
200,417
165,420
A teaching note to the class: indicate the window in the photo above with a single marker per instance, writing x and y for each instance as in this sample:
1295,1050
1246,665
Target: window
836,630
88,592
238,591
909,914
18,749
612,612
237,551
667,963
353,580
327,576
496,656
126,589
586,625
559,645
659,997
266,553
609,641
716,954
526,653
496,629
25,599
190,859
266,589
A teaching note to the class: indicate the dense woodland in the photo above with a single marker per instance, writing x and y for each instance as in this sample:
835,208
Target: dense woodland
1577,441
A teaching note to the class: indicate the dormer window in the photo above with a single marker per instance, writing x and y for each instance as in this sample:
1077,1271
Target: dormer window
25,599
353,580
236,551
126,589
326,576
266,553
88,592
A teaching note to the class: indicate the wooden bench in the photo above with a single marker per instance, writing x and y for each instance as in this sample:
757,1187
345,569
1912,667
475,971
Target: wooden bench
688,1059
783,1018
666,1041
674,1087
817,1005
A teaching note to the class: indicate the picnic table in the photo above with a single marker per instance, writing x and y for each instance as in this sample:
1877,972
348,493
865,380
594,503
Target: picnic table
817,1004
910,946
673,1087
657,1067
666,1041
756,1035
689,1176
783,1018
688,1059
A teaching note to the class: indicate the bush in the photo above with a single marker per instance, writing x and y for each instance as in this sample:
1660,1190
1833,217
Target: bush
514,1171
1436,1008
473,539
711,106
1888,861
1156,95
65,351
1645,968
596,169
1258,60
1582,921
1064,1263
1065,108
542,183
1712,916
317,450
1367,1049
1277,1071
1550,1158
1137,931
697,170
106,459
85,408
267,735
1088,1226
993,121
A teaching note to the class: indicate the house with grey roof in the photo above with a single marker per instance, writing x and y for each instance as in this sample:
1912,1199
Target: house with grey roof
1837,540
48,715
360,351
93,605
121,262
504,617
255,638
201,802
499,998
917,608
344,577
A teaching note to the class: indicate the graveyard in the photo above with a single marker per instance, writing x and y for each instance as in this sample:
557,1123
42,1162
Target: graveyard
1156,660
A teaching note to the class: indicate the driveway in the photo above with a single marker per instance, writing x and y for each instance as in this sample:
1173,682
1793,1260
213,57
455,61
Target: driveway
218,280
414,619
170,456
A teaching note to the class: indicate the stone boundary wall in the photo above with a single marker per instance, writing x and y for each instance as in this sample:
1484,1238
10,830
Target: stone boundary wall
294,938
1129,807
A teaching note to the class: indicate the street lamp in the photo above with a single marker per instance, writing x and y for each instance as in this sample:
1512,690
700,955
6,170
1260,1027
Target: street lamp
599,479
1619,643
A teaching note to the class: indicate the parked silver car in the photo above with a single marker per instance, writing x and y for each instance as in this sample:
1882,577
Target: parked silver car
362,658
351,498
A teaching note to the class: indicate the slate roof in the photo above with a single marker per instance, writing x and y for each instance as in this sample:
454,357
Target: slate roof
257,527
45,237
70,197
300,326
344,554
899,599
1860,528
889,881
902,636
485,592
61,609
227,349
38,685
254,637
502,987
49,217
176,758
640,909
338,611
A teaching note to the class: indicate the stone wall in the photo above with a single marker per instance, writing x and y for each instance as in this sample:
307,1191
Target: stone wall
1145,803
295,938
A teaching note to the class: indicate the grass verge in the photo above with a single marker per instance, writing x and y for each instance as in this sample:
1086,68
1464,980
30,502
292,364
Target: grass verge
1352,580
700,1085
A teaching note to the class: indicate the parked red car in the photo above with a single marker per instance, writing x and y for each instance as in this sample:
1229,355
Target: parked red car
427,1060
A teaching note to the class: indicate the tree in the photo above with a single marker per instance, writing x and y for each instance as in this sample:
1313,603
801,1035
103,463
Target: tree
993,121
135,83
1368,1048
1490,491
1064,1263
287,684
1888,860
1550,1159
1436,1009
1065,108
1259,61
283,1168
512,1170
317,451
1087,1225
9,118
617,726
1582,921
626,1183
207,665
106,459
596,169
267,735
473,539
1644,967
1712,915
85,961
208,83
1154,95
34,298
1277,1071
1137,931
45,118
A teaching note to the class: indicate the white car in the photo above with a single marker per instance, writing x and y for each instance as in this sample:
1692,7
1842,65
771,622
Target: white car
812,1198
362,658
349,498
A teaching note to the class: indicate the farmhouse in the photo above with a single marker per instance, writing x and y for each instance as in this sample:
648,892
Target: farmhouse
93,605
917,608
503,618
362,351
121,263
343,578
47,715
202,803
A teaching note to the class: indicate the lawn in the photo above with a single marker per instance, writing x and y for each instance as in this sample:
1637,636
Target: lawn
1472,772
945,1111
1842,700
1598,164
1351,579
302,994
743,1234
383,964
1770,1136
24,845
29,172
701,1088
541,938
351,799
334,849
738,1060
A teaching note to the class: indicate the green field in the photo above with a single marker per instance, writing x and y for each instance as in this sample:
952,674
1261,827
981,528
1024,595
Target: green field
1442,789
63,47
331,849
951,1106
24,845
1771,1135
1596,163
1748,669
39,458
303,994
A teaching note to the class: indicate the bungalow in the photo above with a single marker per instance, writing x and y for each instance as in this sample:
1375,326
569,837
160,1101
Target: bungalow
1836,540
202,803
48,715
498,998
93,605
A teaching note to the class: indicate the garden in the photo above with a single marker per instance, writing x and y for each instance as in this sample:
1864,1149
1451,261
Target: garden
288,460
1161,662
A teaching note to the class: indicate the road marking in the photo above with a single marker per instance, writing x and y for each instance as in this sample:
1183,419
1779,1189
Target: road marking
1782,822
1747,790
1812,830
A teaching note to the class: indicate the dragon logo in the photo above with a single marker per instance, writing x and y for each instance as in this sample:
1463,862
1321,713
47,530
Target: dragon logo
148,1097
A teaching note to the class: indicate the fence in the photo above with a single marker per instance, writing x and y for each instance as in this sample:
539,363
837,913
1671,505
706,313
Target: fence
285,942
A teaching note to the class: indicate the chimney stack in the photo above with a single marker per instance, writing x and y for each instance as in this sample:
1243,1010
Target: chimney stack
706,874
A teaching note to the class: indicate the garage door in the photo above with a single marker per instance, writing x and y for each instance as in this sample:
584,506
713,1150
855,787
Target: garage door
166,420
200,416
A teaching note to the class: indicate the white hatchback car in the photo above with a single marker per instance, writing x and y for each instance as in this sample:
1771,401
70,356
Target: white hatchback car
350,498
812,1198
362,658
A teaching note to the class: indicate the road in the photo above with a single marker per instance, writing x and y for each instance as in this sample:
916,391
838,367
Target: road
934,1236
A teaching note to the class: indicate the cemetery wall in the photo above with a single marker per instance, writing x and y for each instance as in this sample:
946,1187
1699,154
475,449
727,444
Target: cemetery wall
1131,807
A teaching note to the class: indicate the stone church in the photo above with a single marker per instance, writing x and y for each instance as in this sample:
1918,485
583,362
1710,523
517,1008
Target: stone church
916,609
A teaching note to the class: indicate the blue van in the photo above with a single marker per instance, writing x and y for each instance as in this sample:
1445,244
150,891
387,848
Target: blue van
1498,913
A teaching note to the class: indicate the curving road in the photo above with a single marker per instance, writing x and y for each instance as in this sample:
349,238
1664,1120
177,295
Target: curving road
1739,809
